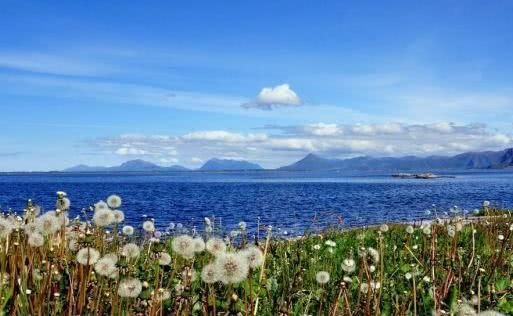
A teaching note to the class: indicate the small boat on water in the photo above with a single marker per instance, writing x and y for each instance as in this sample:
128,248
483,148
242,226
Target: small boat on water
425,175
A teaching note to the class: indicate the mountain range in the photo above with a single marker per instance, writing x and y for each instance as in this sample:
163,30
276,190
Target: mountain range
312,162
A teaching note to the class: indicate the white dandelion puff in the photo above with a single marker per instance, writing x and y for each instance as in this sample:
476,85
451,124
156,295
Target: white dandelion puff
330,243
114,201
164,259
101,205
36,240
383,228
486,203
348,265
131,251
216,246
105,266
254,256
6,228
209,274
48,223
119,216
409,229
322,277
129,287
231,268
373,254
184,246
149,226
88,256
128,230
103,217
242,226
198,244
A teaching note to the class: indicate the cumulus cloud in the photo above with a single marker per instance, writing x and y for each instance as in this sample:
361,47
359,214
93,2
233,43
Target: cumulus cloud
281,145
272,97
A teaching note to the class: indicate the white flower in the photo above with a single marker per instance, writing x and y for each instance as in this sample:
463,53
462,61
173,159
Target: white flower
31,228
119,216
364,288
48,223
128,230
427,230
36,240
103,217
101,206
426,279
348,265
184,246
198,244
66,203
451,231
216,246
374,254
131,251
322,277
6,228
501,237
330,243
372,268
148,226
129,288
242,226
207,221
88,256
409,229
162,294
231,268
254,256
114,201
511,227
317,247
375,285
209,274
164,259
106,266
383,228
408,275
61,193
486,203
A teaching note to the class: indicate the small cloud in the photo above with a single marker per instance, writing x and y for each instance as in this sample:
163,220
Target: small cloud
272,97
196,160
168,161
130,151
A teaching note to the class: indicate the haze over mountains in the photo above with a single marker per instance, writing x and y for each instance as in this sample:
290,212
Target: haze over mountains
312,162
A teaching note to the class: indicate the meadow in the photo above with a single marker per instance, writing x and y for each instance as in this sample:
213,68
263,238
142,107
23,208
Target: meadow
96,265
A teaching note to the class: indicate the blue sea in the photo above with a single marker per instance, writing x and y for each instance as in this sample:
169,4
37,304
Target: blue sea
292,202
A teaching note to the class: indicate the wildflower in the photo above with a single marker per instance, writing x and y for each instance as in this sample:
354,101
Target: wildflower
330,243
103,217
105,266
130,250
114,201
231,268
486,203
88,256
383,228
426,279
317,247
209,274
374,254
101,205
119,216
36,240
408,275
254,256
184,246
347,279
451,231
6,228
372,268
215,246
164,259
501,237
348,265
198,244
322,277
426,230
242,226
128,230
375,285
66,203
364,288
163,295
48,224
409,229
148,226
129,287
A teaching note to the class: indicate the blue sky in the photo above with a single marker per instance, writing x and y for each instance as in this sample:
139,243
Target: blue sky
102,82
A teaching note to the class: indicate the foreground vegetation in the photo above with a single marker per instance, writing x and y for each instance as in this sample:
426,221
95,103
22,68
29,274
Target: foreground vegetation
95,265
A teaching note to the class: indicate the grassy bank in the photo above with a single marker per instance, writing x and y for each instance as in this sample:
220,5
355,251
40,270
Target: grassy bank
50,265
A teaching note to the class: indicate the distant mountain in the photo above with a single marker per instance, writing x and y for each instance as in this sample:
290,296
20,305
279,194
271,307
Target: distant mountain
229,164
129,166
470,160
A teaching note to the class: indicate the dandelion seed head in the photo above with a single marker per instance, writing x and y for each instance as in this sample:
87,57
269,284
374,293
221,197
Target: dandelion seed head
409,229
119,216
105,266
198,244
216,246
322,277
254,256
129,287
6,228
149,226
164,259
36,240
103,217
114,201
48,223
383,228
184,246
128,230
130,250
348,265
87,256
209,274
231,268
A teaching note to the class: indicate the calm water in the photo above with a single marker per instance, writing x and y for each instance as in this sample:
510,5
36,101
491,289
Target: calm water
291,201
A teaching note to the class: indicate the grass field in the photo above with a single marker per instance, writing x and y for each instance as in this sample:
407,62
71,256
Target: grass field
51,265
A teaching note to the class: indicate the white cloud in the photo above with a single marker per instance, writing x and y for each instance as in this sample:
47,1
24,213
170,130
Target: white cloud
322,129
130,151
224,136
196,160
271,97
